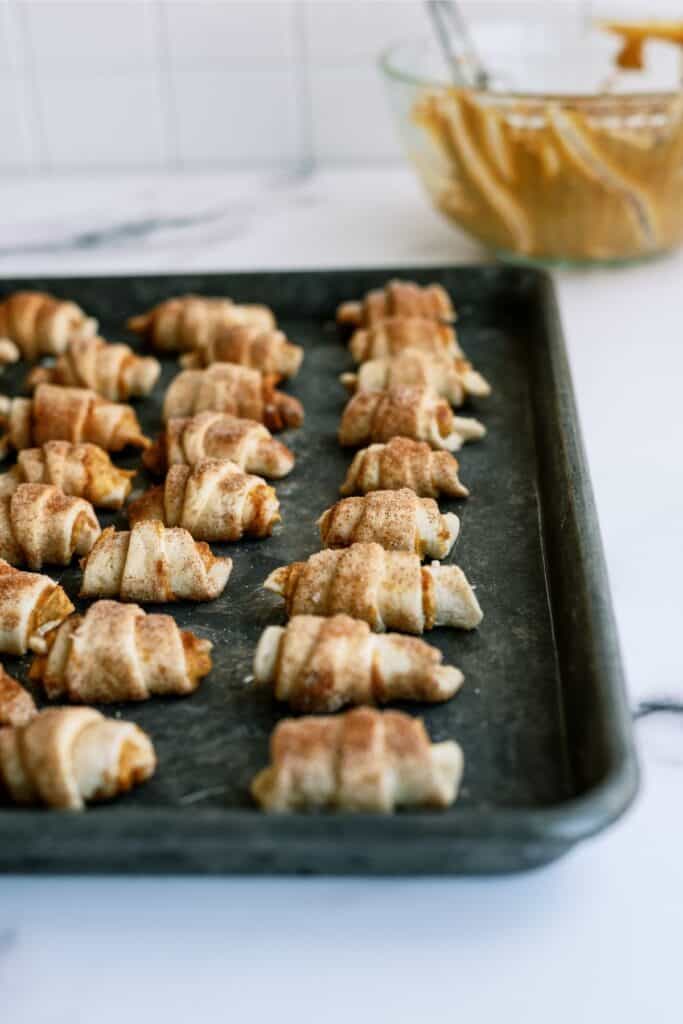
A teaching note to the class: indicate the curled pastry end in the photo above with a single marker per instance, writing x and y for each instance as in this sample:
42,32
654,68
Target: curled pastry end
266,655
53,607
475,384
462,429
350,313
154,456
9,353
350,382
452,599
88,327
277,581
136,763
448,679
447,764
452,527
293,358
197,657
261,789
138,324
282,411
468,428
138,440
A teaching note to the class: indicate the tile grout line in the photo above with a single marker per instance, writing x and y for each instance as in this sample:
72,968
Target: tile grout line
302,78
27,81
167,95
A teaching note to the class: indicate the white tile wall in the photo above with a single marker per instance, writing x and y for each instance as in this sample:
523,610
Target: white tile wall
87,36
351,120
105,119
343,32
10,52
15,148
235,117
193,83
221,35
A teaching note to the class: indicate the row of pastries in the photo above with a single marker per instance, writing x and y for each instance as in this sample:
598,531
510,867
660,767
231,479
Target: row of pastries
215,438
357,607
213,452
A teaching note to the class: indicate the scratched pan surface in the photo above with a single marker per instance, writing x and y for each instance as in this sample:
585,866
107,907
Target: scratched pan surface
542,717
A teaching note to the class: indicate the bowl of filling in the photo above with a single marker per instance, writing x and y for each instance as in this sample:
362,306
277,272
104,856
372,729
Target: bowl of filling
571,153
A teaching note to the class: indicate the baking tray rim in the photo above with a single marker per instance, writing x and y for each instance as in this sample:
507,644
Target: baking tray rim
565,822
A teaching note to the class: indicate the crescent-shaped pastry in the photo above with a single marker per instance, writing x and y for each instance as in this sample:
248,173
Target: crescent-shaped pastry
396,335
190,321
398,520
152,563
17,706
116,652
82,470
266,350
214,501
67,757
237,390
30,606
418,413
215,435
67,414
319,665
386,589
404,463
398,299
40,524
452,379
41,325
112,371
363,760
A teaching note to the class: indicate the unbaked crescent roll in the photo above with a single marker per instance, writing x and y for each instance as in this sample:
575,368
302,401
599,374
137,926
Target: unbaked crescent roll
40,524
214,501
386,589
318,664
185,323
82,470
452,379
404,463
418,413
237,390
152,563
266,350
17,706
363,760
398,520
215,435
116,652
9,353
399,299
67,757
41,325
113,371
396,335
30,606
67,414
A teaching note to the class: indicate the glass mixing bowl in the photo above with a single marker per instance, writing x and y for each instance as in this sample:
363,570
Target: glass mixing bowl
562,159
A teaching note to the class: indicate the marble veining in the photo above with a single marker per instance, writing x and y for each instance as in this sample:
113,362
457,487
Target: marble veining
125,232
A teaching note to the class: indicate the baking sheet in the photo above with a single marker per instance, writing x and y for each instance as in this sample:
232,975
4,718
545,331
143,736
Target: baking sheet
541,718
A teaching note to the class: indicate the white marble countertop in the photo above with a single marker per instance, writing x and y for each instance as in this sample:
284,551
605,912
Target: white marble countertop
593,937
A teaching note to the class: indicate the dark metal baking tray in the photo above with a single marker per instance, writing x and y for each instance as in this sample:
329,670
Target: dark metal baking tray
542,717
